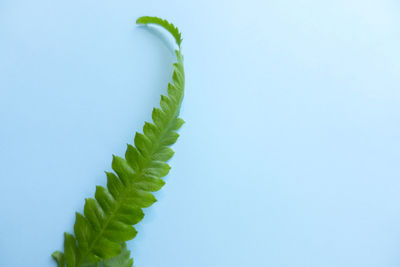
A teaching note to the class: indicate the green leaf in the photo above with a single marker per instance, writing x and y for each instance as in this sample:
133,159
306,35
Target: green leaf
58,256
83,231
108,218
163,23
94,214
118,231
70,250
105,248
122,260
105,199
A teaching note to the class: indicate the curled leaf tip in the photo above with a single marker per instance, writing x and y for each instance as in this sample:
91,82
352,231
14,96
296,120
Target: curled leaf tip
171,28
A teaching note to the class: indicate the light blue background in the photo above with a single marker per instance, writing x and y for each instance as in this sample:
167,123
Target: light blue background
291,151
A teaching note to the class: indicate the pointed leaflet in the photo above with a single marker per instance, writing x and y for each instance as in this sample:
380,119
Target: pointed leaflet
122,260
59,258
108,218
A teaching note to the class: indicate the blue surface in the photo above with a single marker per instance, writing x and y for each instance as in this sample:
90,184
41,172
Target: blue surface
291,151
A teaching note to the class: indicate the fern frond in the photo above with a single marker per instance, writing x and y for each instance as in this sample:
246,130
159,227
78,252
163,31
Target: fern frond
108,218
163,23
